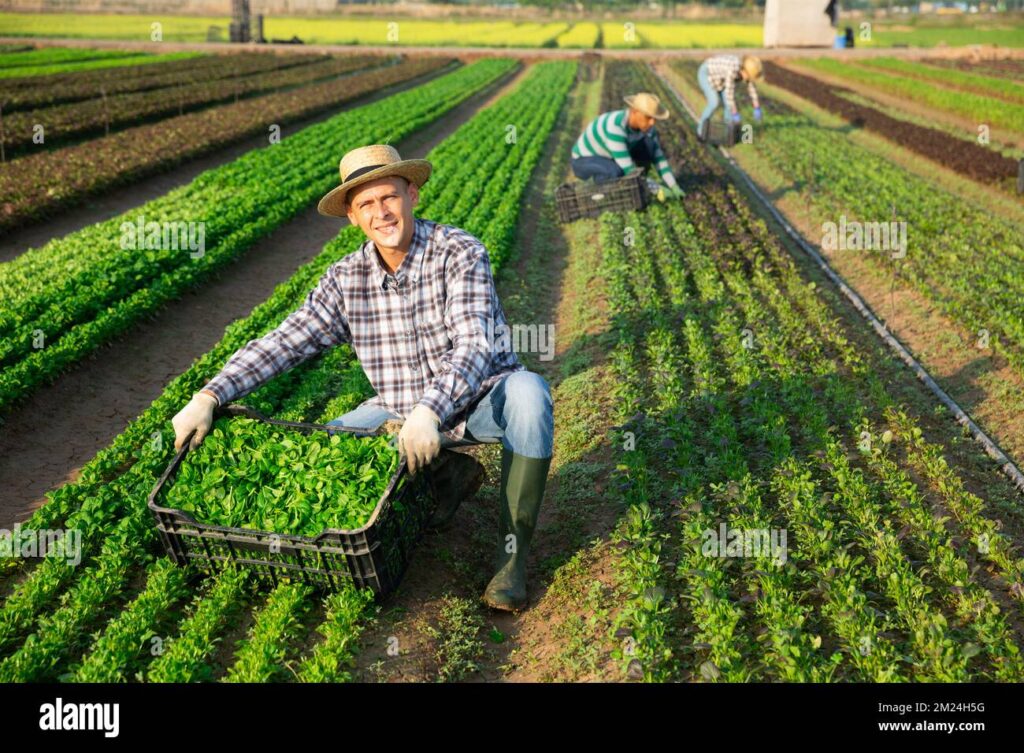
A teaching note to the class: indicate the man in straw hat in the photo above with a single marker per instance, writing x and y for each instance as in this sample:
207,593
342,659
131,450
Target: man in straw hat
717,77
417,303
618,142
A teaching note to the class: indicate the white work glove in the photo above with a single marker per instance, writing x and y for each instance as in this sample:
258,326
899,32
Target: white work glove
198,415
419,440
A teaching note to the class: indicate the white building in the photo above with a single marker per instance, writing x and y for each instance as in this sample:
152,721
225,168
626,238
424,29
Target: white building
798,23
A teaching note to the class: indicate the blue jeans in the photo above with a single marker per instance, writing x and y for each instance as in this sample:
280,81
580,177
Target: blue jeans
598,168
713,96
641,149
517,411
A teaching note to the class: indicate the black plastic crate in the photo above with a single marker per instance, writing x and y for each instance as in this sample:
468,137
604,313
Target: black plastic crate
721,133
374,556
581,199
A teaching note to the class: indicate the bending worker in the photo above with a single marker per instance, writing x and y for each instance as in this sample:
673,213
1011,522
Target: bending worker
717,77
620,141
417,303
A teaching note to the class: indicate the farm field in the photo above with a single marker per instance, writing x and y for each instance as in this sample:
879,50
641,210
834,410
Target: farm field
400,30
43,181
748,484
931,296
397,31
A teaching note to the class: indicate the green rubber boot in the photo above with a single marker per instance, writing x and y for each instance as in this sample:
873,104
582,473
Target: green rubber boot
455,477
522,489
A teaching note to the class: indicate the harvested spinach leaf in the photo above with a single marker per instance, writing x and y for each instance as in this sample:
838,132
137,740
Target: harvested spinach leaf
251,474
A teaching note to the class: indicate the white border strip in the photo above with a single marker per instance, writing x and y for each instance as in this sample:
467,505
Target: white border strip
991,448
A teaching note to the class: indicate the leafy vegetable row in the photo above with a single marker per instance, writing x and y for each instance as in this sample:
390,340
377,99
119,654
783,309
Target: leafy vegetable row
95,60
41,184
743,404
975,107
78,120
38,91
959,254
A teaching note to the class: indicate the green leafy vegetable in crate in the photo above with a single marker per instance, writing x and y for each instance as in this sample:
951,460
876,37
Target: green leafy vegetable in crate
251,474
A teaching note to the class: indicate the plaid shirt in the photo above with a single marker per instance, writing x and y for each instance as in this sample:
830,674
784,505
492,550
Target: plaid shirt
723,73
432,334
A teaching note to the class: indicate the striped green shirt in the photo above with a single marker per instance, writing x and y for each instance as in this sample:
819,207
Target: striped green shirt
607,136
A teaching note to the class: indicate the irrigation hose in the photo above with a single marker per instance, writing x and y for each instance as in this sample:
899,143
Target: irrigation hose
991,448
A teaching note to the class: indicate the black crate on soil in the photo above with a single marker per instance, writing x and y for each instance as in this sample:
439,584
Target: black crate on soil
374,556
579,199
721,133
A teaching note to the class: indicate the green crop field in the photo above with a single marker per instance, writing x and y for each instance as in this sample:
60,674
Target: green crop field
788,399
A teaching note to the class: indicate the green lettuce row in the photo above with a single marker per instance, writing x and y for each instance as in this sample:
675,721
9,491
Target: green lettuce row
24,603
983,626
977,108
95,581
794,653
55,55
185,656
24,93
61,632
902,501
329,659
968,509
965,259
125,638
994,86
750,262
92,117
278,624
39,185
132,59
913,611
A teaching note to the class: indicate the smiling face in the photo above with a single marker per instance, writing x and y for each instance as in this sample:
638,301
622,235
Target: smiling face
382,209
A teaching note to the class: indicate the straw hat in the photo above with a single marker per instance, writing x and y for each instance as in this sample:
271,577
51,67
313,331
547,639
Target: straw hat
648,104
370,163
752,65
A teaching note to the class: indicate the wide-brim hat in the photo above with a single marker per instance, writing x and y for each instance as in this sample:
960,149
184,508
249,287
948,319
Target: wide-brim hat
370,163
752,65
648,104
